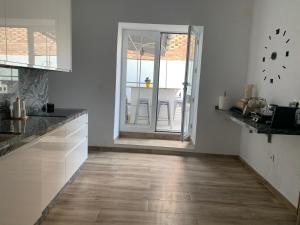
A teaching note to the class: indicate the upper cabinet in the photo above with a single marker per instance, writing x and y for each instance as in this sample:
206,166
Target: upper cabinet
37,33
25,25
2,33
59,44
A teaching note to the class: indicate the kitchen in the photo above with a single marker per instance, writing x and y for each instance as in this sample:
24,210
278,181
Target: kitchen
61,113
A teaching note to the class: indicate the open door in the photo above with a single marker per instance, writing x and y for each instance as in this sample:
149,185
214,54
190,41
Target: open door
191,83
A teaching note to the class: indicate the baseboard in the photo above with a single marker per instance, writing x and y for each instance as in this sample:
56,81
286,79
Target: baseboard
271,188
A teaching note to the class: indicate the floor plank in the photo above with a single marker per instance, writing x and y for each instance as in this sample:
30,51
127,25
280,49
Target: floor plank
135,189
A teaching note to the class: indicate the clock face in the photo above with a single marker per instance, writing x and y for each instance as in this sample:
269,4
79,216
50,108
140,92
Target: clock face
275,56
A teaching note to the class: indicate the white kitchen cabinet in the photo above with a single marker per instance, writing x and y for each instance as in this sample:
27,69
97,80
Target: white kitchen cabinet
55,151
75,159
20,186
53,176
2,33
56,148
59,53
52,167
31,176
77,136
38,33
26,23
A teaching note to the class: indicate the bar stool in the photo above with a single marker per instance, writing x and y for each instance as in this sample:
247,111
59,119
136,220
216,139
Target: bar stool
177,102
142,102
167,104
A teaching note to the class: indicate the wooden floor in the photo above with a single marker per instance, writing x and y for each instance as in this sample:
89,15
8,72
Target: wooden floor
138,189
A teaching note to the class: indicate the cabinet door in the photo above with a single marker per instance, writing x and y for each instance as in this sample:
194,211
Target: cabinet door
52,30
20,187
64,37
76,158
59,50
53,175
26,23
2,33
53,151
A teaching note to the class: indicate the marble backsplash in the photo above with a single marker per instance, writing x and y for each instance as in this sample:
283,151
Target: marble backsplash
31,85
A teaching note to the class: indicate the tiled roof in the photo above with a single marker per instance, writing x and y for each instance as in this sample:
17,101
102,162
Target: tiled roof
175,48
17,42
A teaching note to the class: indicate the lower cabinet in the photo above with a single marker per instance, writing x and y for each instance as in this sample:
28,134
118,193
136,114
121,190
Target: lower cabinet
20,187
53,175
74,159
31,177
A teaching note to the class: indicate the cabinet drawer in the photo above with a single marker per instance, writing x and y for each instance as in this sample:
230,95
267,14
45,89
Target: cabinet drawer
76,124
78,135
62,146
58,148
53,176
58,133
75,159
66,130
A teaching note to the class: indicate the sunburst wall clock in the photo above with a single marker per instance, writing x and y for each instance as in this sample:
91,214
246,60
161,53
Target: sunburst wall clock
275,56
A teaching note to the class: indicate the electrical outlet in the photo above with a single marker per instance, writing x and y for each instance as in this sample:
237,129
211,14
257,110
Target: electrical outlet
272,157
3,89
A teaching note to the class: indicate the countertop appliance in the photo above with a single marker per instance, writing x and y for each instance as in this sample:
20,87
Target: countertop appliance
298,117
284,118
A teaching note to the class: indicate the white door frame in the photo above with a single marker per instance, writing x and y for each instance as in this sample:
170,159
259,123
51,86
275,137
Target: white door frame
192,123
120,80
196,82
118,92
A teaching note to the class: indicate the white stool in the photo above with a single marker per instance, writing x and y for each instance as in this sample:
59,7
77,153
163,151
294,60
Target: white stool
177,102
142,102
167,104
127,111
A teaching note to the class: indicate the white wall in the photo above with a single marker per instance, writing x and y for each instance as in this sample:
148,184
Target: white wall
284,172
91,85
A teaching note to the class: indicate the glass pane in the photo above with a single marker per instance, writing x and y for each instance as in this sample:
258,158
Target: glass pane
45,49
171,78
17,44
8,84
140,60
2,44
52,49
188,83
39,49
2,32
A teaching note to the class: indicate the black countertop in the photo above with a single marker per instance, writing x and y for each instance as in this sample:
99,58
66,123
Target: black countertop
35,126
260,128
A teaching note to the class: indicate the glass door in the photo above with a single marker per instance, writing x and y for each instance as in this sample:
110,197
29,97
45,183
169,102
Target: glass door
140,54
171,77
190,76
